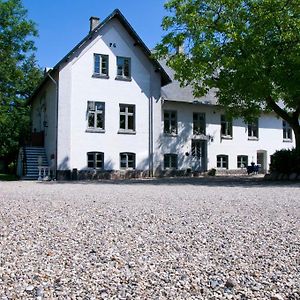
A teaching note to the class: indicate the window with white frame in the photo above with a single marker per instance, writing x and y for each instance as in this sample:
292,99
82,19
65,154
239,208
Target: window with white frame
170,161
226,126
286,131
100,65
96,115
199,123
123,68
242,161
127,118
253,130
222,161
95,160
170,122
127,160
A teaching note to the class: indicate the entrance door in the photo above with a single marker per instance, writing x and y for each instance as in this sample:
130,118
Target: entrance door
199,155
262,160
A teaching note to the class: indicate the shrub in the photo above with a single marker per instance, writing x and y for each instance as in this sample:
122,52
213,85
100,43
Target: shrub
285,161
211,172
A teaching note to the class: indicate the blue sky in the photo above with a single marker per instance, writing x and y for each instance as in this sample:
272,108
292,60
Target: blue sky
63,23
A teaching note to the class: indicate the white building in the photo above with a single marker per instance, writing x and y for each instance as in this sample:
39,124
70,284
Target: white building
108,107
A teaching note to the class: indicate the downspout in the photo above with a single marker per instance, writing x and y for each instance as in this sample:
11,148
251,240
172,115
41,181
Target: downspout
151,136
55,121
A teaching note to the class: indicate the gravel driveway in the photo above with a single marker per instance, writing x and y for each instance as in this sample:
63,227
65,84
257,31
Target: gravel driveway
159,239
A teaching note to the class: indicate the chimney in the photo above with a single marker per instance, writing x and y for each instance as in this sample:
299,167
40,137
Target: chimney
94,22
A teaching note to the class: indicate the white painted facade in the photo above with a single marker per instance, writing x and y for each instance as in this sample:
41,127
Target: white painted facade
70,140
270,138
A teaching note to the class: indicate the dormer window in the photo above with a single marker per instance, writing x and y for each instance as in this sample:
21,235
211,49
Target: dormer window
123,68
100,65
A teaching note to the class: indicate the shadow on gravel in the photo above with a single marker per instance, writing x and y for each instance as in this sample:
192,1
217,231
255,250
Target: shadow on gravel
227,181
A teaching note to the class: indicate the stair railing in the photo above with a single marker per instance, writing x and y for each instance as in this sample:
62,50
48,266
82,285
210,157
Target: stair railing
44,173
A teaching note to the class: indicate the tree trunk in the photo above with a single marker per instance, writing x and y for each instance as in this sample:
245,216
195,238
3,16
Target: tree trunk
296,130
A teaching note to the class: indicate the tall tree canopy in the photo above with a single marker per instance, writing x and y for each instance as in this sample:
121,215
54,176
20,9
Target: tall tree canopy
249,50
19,74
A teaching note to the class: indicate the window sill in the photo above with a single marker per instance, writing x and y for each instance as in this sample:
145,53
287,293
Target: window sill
127,132
287,140
226,137
121,78
202,136
103,76
253,138
91,130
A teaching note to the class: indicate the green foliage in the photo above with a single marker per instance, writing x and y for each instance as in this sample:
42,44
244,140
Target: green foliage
211,172
248,51
19,74
285,161
8,177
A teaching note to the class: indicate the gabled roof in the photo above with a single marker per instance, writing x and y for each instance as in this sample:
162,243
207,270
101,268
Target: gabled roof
165,79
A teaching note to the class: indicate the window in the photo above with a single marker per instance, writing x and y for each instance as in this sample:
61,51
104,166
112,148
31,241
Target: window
95,160
222,161
199,123
100,65
242,161
226,126
123,68
95,115
287,131
253,130
170,122
127,118
170,161
198,148
127,160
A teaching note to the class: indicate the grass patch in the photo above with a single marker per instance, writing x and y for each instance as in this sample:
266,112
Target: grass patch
8,177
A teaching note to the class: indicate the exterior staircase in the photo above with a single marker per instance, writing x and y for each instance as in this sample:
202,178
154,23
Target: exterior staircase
31,165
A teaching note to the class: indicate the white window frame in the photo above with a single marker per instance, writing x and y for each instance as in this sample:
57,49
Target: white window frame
122,73
226,127
170,161
222,161
287,131
242,161
97,110
199,123
97,157
170,122
253,130
127,114
127,160
101,63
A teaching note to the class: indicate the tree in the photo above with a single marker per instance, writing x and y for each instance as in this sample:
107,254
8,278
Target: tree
248,50
19,74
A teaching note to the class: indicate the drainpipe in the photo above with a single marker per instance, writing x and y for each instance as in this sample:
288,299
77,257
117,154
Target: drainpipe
151,136
56,120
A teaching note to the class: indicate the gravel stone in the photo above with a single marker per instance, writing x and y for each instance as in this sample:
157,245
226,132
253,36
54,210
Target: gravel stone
195,238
